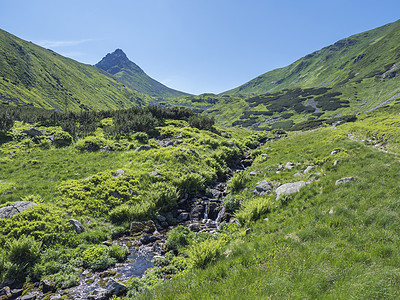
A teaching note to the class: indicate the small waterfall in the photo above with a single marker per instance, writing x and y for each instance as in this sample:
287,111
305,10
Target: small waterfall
206,210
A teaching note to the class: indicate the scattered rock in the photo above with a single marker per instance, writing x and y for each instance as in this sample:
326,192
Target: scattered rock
195,227
336,151
15,208
253,173
289,188
107,243
265,155
179,136
30,296
140,227
47,286
263,188
77,226
106,148
161,218
100,294
308,169
331,211
298,174
116,288
119,173
147,239
344,180
155,174
34,132
143,148
166,142
5,292
248,230
50,138
184,216
11,152
290,165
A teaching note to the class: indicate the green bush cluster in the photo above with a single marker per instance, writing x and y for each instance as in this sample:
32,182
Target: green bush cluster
98,194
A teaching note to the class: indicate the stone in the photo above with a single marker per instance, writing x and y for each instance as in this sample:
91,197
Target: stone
50,138
5,292
263,188
336,151
197,212
298,174
161,218
289,165
155,174
344,180
252,173
15,208
289,188
34,132
16,293
100,294
116,288
11,152
28,297
107,243
184,216
308,169
106,148
143,148
265,155
195,227
177,142
147,239
248,230
77,225
166,142
47,286
140,227
221,215
119,173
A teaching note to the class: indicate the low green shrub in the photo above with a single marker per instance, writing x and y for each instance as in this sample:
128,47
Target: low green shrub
253,209
90,143
178,238
190,183
97,258
238,181
206,252
231,203
164,195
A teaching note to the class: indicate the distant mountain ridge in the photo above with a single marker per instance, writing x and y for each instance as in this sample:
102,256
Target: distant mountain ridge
30,74
130,74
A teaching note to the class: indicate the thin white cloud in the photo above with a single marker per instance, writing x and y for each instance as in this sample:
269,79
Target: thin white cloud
55,44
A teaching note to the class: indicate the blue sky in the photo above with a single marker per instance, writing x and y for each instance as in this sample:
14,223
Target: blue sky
195,46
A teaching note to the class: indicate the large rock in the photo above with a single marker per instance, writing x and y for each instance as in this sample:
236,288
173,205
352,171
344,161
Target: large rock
78,227
100,294
147,239
344,180
34,132
116,288
143,148
289,188
263,188
15,208
140,227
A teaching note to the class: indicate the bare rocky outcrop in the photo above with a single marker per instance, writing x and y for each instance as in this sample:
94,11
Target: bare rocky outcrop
15,208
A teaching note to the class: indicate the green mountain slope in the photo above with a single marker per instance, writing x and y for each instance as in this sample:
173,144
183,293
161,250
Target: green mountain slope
30,74
127,72
354,75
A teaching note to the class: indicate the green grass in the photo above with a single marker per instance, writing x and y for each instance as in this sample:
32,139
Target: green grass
327,241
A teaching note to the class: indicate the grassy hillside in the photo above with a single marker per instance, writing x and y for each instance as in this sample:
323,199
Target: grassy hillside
30,74
328,241
354,75
130,74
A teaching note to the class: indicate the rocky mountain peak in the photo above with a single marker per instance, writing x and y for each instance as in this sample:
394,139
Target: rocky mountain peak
117,61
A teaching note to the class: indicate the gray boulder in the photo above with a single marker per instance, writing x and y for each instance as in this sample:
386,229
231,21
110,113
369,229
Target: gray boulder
119,173
78,227
344,180
100,294
184,216
116,288
263,188
15,208
143,148
308,169
289,188
290,165
34,132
